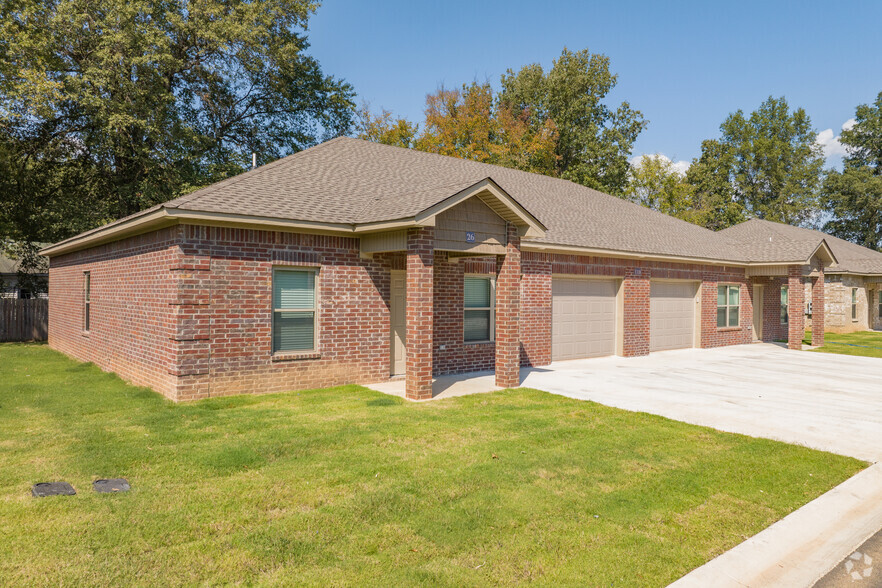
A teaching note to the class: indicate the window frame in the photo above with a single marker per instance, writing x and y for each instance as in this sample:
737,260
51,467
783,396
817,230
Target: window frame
315,310
87,301
879,296
728,306
785,306
491,309
854,305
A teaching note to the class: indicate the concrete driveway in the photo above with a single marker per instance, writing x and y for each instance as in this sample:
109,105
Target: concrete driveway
821,400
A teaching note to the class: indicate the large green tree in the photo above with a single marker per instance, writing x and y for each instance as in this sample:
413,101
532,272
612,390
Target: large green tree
854,196
594,140
109,107
767,164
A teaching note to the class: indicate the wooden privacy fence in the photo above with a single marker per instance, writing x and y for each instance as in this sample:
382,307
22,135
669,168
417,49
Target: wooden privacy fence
24,320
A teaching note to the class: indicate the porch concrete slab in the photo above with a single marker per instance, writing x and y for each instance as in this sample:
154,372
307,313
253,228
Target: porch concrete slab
820,400
445,386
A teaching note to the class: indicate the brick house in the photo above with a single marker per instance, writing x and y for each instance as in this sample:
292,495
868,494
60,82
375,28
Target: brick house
353,262
853,291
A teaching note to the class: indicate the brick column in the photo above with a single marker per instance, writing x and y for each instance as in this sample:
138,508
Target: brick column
635,319
508,305
420,301
818,300
796,307
190,333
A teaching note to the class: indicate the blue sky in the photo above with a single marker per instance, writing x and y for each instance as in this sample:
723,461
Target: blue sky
685,65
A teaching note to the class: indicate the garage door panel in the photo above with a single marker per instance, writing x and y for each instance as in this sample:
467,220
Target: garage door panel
583,318
672,315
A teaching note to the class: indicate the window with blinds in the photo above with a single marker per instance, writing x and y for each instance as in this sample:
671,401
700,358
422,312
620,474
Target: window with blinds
478,309
294,310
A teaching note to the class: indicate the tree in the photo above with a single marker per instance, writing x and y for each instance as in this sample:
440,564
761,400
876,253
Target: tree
656,183
468,123
383,128
854,195
714,204
109,107
594,141
775,166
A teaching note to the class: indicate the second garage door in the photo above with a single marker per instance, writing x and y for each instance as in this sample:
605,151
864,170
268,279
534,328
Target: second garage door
671,315
583,318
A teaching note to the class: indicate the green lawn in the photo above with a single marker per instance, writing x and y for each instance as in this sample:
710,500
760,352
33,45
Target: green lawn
865,343
347,486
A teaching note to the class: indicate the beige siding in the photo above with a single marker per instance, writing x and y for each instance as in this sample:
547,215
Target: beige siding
472,215
381,242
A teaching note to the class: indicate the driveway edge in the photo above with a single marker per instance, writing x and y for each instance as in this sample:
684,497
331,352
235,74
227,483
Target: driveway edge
803,546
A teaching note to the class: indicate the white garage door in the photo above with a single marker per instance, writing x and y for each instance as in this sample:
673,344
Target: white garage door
583,318
671,315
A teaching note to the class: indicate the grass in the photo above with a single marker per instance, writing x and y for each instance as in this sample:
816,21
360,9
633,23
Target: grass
347,486
863,343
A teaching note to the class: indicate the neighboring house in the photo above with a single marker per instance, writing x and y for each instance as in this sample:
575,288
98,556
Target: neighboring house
9,282
354,262
853,291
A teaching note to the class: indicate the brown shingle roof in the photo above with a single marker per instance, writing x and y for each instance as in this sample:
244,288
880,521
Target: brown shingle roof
765,240
353,181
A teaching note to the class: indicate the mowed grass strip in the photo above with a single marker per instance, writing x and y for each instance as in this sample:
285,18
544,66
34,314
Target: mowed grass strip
863,343
347,486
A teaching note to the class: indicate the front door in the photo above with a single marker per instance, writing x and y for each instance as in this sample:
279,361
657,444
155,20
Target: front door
757,313
398,322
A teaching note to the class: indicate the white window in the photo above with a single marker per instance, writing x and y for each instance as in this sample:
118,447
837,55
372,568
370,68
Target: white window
785,310
478,309
294,310
87,301
728,305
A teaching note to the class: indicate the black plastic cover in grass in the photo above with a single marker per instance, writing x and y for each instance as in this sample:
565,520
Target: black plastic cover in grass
44,489
111,485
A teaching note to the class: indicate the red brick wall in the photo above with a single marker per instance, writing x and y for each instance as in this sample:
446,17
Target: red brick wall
711,335
353,321
536,308
773,329
131,319
451,354
796,301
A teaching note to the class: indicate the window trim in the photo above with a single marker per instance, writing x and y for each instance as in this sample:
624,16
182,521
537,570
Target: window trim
315,310
785,307
87,301
854,305
728,306
491,308
879,296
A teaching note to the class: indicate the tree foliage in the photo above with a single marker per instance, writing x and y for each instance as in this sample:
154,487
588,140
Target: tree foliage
766,165
468,123
594,140
854,195
553,123
109,107
384,128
